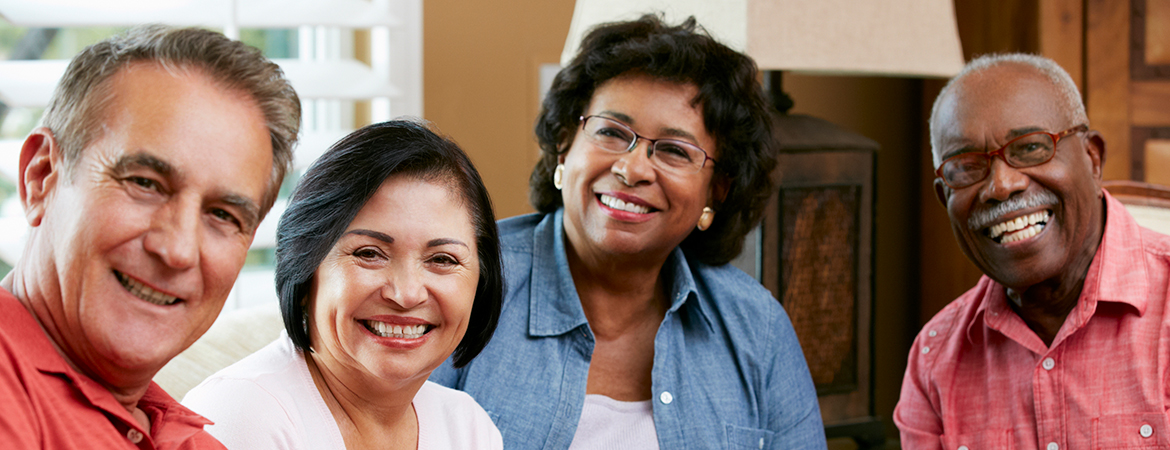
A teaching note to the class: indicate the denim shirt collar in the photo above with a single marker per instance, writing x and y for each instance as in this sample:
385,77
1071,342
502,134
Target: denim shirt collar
553,302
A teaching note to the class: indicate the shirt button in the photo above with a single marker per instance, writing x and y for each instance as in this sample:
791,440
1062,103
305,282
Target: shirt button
666,398
932,333
1147,430
925,350
962,447
134,436
1053,446
1048,364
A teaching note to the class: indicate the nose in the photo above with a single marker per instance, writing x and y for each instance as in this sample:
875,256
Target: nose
173,236
404,286
635,167
1003,182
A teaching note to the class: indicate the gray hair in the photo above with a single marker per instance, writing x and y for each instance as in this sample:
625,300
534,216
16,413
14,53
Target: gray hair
1060,79
76,110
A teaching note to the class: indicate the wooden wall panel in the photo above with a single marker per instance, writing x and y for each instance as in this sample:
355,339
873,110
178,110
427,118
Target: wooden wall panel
1062,34
1150,103
1157,32
1107,80
1158,155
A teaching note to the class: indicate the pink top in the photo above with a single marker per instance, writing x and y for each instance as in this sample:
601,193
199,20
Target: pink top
979,378
268,401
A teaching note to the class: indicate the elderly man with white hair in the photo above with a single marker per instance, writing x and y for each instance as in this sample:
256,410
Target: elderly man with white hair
1064,343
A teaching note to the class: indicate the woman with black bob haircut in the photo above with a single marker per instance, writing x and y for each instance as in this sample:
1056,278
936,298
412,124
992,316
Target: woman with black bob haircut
387,263
624,326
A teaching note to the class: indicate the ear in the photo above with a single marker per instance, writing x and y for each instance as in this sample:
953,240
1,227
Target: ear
1095,147
941,191
39,173
720,185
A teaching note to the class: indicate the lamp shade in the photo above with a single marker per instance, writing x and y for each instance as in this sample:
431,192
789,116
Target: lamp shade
915,38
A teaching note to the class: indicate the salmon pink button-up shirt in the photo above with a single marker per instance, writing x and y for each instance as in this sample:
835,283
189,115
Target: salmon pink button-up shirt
979,378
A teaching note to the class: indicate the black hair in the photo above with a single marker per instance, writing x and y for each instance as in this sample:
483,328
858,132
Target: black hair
340,183
735,112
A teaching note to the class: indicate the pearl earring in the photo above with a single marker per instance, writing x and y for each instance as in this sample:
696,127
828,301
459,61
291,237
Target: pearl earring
705,219
558,174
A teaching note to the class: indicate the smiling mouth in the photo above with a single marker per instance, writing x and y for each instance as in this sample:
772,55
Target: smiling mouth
144,292
386,330
622,205
1020,228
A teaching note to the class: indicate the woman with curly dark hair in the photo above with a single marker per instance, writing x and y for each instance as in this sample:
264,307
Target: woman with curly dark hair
623,326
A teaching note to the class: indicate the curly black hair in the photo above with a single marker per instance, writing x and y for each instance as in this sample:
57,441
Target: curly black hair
735,112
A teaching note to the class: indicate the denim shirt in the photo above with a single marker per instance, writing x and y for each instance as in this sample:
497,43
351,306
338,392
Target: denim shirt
728,371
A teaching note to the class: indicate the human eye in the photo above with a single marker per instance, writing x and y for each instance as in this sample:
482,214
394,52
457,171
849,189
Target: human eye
368,253
1030,149
443,260
675,153
226,216
143,183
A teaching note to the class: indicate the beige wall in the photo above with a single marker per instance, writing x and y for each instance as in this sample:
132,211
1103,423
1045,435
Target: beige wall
481,83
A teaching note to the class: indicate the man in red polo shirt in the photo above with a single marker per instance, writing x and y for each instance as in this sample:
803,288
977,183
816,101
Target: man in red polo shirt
161,151
1065,342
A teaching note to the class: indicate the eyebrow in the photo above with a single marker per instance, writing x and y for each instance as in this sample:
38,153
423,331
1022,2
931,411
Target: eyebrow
126,162
374,234
445,241
669,132
390,240
1012,134
248,208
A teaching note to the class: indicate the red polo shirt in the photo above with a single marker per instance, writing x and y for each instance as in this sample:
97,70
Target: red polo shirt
44,403
979,378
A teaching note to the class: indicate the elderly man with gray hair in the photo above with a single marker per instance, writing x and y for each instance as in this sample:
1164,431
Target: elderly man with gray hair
1065,342
161,151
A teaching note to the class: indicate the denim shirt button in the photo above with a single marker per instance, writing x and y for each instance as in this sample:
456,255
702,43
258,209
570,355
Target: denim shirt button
666,397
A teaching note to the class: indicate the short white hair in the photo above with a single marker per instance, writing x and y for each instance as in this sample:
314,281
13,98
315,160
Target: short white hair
1060,79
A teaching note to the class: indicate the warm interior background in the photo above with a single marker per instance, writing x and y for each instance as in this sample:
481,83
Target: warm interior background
481,78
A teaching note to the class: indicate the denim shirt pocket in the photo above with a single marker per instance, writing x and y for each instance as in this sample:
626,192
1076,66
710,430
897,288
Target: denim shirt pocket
747,438
987,439
1131,431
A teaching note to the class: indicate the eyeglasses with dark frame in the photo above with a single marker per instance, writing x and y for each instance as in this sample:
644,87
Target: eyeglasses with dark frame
1029,150
668,154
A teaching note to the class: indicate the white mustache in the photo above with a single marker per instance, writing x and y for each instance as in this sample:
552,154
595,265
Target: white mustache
987,215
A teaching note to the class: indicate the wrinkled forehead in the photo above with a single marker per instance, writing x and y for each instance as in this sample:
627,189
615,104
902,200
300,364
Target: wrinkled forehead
985,109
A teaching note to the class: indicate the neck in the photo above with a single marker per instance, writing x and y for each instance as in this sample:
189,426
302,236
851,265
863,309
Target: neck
1045,306
126,394
618,294
366,410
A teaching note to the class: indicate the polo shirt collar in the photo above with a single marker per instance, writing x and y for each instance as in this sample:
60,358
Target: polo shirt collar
1116,274
38,350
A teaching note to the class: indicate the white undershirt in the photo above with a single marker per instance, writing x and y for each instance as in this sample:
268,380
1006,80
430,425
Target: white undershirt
612,424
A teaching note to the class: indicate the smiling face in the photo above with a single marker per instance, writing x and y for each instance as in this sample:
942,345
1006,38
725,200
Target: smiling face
133,253
622,204
392,299
1021,226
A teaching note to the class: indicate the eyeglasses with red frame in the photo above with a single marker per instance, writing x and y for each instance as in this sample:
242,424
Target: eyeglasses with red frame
1029,150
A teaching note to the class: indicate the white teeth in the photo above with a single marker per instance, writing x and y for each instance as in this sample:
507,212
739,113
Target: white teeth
622,205
1027,226
144,292
384,329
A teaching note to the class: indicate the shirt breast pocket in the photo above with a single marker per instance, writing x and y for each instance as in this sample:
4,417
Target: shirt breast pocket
747,438
988,439
1130,431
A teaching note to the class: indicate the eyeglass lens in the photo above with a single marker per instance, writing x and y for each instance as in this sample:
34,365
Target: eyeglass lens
1025,151
615,137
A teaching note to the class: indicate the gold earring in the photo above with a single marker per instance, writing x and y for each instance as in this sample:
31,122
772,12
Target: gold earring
705,219
558,174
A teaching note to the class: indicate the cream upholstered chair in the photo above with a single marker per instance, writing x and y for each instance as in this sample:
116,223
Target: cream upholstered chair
233,336
1149,204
